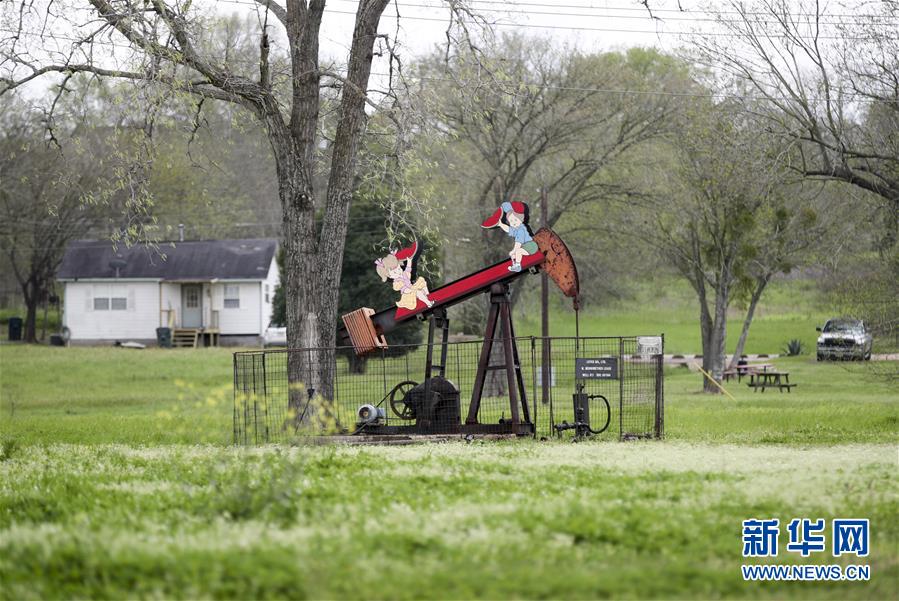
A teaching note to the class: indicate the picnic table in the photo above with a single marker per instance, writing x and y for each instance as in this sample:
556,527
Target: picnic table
745,369
770,379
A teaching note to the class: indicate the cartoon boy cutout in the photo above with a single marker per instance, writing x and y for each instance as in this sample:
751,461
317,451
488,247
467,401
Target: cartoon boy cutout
512,218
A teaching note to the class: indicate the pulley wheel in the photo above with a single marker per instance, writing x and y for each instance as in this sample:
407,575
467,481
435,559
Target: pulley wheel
397,400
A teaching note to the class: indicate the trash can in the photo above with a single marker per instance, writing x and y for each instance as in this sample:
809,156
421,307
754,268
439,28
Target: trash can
15,328
164,337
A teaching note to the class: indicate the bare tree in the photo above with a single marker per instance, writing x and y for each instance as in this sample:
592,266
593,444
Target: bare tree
828,85
41,208
518,115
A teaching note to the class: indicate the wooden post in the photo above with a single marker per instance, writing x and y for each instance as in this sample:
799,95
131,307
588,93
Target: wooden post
545,361
483,362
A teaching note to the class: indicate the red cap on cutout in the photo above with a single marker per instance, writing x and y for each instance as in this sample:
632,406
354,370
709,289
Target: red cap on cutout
518,207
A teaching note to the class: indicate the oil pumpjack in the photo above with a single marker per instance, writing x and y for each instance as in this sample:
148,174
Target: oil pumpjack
433,404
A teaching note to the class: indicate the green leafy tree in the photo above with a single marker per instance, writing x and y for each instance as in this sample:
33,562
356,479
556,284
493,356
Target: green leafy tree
518,115
183,193
712,222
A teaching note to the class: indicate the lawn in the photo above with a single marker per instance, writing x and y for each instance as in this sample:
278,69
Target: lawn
790,309
450,521
117,480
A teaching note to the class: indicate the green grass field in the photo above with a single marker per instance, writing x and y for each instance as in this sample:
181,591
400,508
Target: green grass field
117,480
789,310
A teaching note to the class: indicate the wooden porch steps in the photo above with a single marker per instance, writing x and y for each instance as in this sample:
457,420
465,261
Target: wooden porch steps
185,337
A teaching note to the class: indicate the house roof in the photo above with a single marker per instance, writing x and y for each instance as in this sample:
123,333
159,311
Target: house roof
248,259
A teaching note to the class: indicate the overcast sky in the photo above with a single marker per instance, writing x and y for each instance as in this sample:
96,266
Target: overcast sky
420,25
590,25
593,25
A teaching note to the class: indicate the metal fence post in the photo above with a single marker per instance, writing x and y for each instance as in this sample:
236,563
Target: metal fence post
534,385
620,388
660,392
234,396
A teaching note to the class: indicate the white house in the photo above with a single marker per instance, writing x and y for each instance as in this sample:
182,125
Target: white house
204,290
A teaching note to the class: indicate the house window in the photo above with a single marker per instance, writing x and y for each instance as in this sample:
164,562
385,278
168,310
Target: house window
118,304
232,297
266,293
101,304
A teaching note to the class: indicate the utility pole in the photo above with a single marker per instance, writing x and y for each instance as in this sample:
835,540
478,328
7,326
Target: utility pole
546,367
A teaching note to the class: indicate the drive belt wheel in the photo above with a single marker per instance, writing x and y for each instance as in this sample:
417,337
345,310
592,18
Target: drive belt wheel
397,400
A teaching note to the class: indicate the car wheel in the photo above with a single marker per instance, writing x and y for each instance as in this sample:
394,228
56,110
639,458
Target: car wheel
820,357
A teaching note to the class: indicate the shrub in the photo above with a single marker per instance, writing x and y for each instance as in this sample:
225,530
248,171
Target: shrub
794,348
8,447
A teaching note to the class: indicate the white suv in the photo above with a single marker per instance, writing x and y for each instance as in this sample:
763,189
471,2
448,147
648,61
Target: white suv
844,339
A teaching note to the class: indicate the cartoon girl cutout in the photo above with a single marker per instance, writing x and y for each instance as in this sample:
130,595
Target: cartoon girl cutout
512,218
392,267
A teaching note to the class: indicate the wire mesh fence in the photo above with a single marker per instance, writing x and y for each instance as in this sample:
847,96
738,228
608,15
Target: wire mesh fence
612,386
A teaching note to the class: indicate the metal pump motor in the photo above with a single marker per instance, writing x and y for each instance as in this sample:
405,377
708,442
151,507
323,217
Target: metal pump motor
369,415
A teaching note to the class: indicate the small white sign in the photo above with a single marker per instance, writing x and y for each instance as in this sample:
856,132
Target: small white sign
600,368
649,345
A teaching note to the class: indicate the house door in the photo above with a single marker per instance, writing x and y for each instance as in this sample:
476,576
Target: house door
191,305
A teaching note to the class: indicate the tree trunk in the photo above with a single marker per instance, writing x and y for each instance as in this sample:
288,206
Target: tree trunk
714,344
30,333
707,326
760,285
313,260
341,183
706,323
31,296
713,355
301,284
356,363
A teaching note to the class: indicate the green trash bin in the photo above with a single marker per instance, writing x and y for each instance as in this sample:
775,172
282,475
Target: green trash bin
15,328
164,337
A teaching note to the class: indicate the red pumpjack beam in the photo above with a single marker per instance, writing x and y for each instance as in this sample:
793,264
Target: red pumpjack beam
387,320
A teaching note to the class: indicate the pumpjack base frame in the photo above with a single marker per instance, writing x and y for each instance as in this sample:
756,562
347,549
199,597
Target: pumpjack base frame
500,332
522,429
